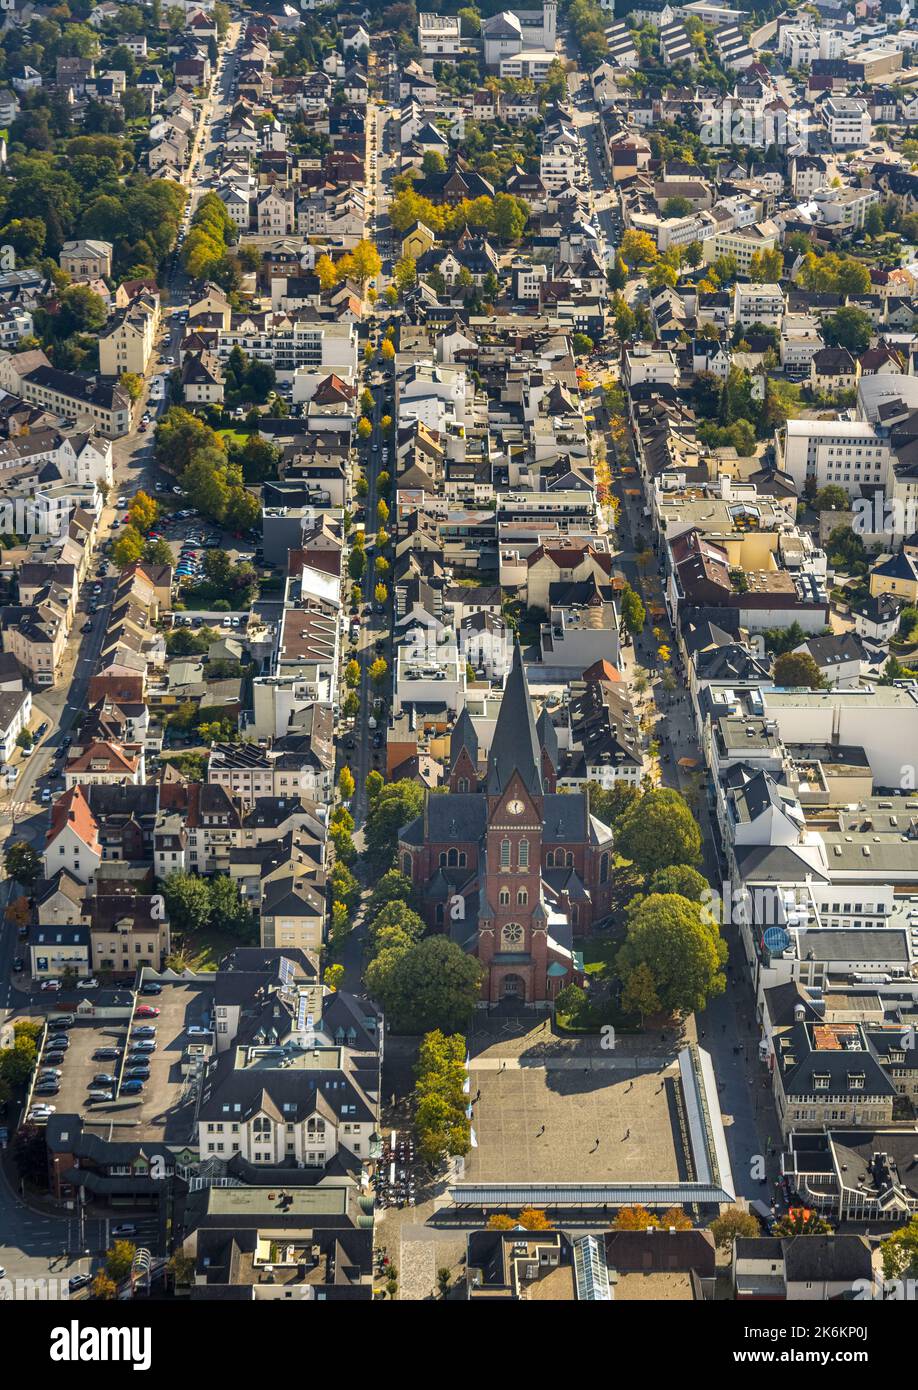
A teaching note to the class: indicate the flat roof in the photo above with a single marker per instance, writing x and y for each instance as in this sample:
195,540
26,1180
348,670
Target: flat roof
299,1202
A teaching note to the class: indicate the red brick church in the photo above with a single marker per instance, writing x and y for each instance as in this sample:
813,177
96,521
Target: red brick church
515,871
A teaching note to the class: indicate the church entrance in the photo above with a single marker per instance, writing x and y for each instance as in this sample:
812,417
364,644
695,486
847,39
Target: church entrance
513,989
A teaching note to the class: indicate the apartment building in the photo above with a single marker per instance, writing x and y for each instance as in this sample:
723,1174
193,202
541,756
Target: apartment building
83,399
818,452
847,121
753,303
127,340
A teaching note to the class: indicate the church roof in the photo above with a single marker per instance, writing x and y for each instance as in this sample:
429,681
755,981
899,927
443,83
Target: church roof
515,746
463,736
548,737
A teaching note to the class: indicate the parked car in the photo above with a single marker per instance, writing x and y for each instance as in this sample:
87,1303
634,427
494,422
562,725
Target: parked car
53,986
100,1093
146,1030
79,1281
143,1045
151,987
103,1078
91,983
195,1030
106,1054
124,1228
132,1087
146,1011
138,1073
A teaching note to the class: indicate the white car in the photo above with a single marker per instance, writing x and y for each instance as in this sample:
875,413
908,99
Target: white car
194,1030
53,985
91,983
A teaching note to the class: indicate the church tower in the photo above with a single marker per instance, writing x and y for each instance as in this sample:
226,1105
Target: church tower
549,24
512,921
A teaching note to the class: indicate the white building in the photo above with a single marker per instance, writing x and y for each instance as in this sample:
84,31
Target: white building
847,120
848,452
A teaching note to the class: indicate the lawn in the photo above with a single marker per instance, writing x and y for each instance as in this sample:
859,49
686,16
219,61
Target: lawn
240,437
599,954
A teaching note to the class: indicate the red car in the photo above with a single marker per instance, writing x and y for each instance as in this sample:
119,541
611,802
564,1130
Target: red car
146,1011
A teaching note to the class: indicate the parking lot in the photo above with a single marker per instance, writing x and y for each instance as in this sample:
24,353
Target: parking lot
165,1108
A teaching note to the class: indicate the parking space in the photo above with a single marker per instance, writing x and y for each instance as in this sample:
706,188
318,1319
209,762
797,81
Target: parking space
78,1065
163,1104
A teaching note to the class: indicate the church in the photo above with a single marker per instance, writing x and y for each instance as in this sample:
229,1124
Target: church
513,870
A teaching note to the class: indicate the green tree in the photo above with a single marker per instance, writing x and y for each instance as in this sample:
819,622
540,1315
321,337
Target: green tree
23,863
798,670
433,984
128,548
396,805
682,879
639,992
119,1259
766,267
832,497
677,207
344,886
680,947
227,911
187,900
394,916
393,886
658,831
849,327
637,248
634,615
179,436
612,804
899,1252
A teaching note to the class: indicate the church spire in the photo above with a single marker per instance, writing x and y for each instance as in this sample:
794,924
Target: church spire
515,747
